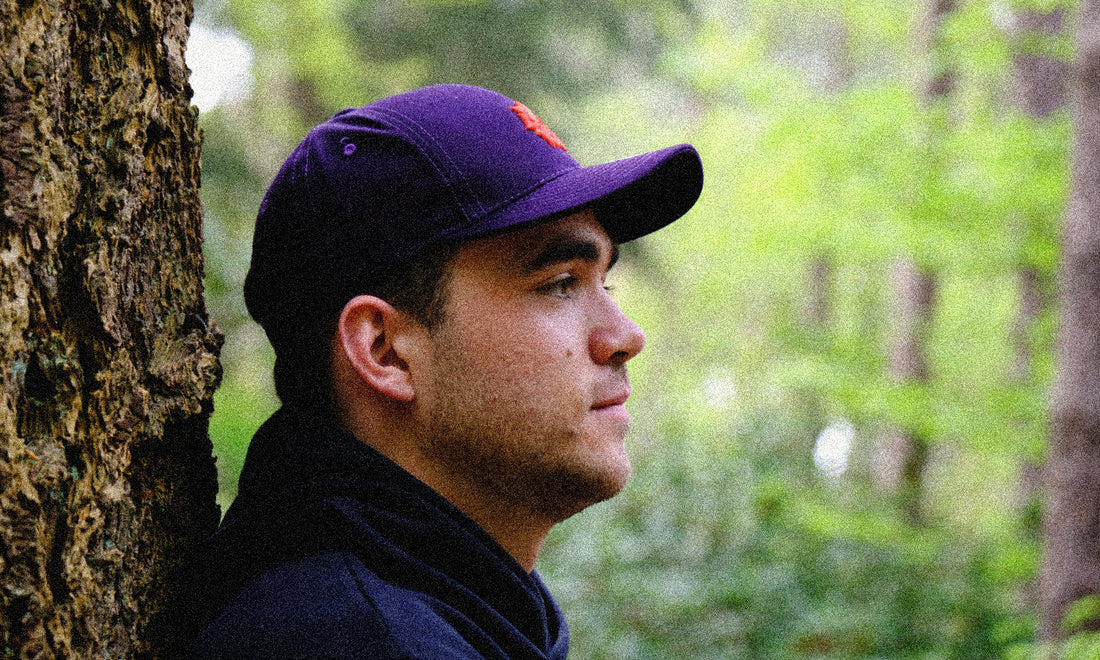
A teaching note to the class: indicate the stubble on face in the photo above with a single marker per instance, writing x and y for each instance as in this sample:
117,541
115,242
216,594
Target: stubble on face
512,387
541,460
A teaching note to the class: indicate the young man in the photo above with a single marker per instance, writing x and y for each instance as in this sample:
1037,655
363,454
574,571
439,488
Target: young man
430,270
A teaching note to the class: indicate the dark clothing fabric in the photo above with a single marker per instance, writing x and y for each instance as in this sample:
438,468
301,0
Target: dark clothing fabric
331,550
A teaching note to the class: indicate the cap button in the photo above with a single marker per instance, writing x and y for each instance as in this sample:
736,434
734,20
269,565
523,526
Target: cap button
349,146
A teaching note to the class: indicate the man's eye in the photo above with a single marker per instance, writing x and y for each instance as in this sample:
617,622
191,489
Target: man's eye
562,286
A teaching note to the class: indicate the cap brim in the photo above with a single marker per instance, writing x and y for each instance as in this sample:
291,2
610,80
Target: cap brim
630,197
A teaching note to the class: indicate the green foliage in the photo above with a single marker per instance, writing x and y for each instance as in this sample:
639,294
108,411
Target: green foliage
240,411
824,166
1082,612
1080,642
736,557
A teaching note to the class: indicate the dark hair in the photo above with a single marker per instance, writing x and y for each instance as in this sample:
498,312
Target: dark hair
303,362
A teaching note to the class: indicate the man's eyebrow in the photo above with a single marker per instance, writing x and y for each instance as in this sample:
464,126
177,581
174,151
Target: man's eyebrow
564,249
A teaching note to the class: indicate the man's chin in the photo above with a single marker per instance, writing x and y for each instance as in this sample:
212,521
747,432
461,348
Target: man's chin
598,485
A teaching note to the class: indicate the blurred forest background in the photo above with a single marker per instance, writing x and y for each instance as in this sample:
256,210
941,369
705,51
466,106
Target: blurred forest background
843,403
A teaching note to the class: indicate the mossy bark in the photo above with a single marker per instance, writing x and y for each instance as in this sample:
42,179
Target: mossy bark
107,360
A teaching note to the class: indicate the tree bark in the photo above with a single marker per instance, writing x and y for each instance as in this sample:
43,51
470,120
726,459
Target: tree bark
108,360
1071,520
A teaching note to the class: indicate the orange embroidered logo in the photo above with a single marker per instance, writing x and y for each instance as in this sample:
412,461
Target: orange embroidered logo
532,122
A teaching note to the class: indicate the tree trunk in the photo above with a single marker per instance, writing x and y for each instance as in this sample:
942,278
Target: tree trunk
819,307
838,76
1040,77
1032,302
1071,520
1038,89
108,360
905,450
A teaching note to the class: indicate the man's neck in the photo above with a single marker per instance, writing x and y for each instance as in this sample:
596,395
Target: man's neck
519,531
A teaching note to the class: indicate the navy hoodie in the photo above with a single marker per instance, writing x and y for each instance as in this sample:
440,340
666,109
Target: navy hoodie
331,550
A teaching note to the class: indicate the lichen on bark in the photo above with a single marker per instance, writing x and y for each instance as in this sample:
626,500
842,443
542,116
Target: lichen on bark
108,360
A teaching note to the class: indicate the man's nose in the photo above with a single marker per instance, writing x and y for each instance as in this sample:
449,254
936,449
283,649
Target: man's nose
615,339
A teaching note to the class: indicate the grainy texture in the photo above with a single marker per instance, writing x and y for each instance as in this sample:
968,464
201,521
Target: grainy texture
1071,520
108,361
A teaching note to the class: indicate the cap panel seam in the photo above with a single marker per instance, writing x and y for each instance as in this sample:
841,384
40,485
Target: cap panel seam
511,200
309,184
420,137
333,238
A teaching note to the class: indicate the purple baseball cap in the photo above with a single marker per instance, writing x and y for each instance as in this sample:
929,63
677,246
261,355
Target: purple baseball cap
374,186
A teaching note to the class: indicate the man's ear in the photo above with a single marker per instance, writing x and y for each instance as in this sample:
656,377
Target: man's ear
366,333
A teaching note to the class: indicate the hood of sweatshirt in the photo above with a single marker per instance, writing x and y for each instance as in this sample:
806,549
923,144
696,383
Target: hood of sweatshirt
308,487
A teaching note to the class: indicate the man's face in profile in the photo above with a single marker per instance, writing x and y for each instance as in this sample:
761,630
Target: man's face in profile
521,393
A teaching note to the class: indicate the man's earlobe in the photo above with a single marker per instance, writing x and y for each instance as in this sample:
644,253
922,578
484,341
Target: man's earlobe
365,333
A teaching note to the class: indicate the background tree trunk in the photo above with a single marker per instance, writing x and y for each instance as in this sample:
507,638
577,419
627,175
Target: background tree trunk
1071,520
108,361
906,449
913,288
1037,91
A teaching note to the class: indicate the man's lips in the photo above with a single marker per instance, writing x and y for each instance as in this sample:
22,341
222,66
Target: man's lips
617,399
